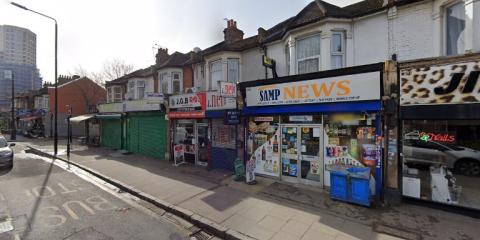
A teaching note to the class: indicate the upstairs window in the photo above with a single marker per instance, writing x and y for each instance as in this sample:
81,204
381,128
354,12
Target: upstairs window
337,50
164,83
140,89
117,94
233,66
110,94
455,29
308,54
177,83
216,74
131,90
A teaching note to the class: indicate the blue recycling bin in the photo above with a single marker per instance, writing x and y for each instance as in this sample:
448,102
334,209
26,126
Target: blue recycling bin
350,185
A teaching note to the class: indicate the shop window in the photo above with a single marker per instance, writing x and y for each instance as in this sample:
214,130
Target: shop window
455,28
233,70
263,145
216,74
223,135
308,54
441,161
337,50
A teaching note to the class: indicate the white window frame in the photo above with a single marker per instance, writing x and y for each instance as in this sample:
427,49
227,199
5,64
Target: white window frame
163,78
445,28
213,86
131,87
179,80
287,57
311,57
140,89
117,99
237,80
336,53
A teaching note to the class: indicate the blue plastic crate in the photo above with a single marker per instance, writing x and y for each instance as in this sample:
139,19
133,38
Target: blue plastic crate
338,186
360,191
351,185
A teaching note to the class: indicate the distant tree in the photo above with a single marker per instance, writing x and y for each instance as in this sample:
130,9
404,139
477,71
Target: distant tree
111,70
115,68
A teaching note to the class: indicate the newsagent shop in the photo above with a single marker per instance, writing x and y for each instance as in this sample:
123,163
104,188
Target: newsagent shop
300,127
200,133
440,121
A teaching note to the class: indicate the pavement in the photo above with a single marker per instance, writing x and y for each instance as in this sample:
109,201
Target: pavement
40,200
270,209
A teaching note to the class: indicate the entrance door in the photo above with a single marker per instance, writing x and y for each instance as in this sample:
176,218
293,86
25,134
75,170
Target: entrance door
301,154
202,144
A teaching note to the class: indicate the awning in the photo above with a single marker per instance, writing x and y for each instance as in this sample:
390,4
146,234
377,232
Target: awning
81,118
108,116
338,107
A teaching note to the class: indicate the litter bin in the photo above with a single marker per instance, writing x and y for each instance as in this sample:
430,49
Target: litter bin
350,185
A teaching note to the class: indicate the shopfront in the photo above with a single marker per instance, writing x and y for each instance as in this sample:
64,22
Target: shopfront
190,130
300,127
440,120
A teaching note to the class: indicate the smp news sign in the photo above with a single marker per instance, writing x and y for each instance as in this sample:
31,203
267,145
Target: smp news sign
345,88
448,83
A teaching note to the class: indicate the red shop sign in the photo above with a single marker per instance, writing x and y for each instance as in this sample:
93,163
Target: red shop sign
193,114
440,137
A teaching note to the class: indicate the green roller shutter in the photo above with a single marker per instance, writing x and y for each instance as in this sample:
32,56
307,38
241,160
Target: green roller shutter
147,134
111,133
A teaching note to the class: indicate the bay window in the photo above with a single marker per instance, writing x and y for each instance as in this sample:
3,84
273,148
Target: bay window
131,90
455,29
140,89
337,50
308,54
164,83
176,83
216,74
117,94
110,94
233,66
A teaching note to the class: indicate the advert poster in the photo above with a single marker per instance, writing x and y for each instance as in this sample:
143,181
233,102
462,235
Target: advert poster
179,154
267,156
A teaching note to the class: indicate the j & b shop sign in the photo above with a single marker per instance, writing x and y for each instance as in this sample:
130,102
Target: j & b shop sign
346,88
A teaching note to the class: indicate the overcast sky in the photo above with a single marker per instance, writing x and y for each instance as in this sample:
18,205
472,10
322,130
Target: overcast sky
93,31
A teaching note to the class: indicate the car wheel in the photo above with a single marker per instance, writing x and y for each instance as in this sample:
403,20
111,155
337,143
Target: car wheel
468,167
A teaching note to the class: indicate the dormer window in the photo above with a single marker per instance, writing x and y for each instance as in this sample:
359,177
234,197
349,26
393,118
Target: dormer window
308,54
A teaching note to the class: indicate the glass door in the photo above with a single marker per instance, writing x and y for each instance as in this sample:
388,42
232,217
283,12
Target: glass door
311,164
301,154
202,144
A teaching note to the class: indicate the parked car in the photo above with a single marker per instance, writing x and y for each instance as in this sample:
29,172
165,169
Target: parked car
462,160
6,153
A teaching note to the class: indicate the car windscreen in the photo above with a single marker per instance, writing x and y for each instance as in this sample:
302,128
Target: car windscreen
3,143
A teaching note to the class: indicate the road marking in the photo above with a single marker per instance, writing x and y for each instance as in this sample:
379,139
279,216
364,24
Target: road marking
97,202
40,191
65,189
28,193
72,213
61,219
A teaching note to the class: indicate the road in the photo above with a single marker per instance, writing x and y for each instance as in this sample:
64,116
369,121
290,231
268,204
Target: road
41,200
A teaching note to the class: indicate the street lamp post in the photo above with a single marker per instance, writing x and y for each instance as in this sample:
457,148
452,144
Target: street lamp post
55,138
13,131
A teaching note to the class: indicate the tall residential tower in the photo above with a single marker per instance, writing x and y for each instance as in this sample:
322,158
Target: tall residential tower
18,47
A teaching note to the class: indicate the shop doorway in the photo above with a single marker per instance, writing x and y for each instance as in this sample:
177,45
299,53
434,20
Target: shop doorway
202,144
302,154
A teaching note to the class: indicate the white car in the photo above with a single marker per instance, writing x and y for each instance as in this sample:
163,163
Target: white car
6,153
462,160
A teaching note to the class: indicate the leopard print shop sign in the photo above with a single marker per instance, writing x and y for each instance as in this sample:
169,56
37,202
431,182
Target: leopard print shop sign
451,83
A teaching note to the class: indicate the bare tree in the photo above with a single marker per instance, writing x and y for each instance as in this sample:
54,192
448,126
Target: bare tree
115,68
82,72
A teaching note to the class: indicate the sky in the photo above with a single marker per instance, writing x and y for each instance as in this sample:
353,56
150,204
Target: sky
94,31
